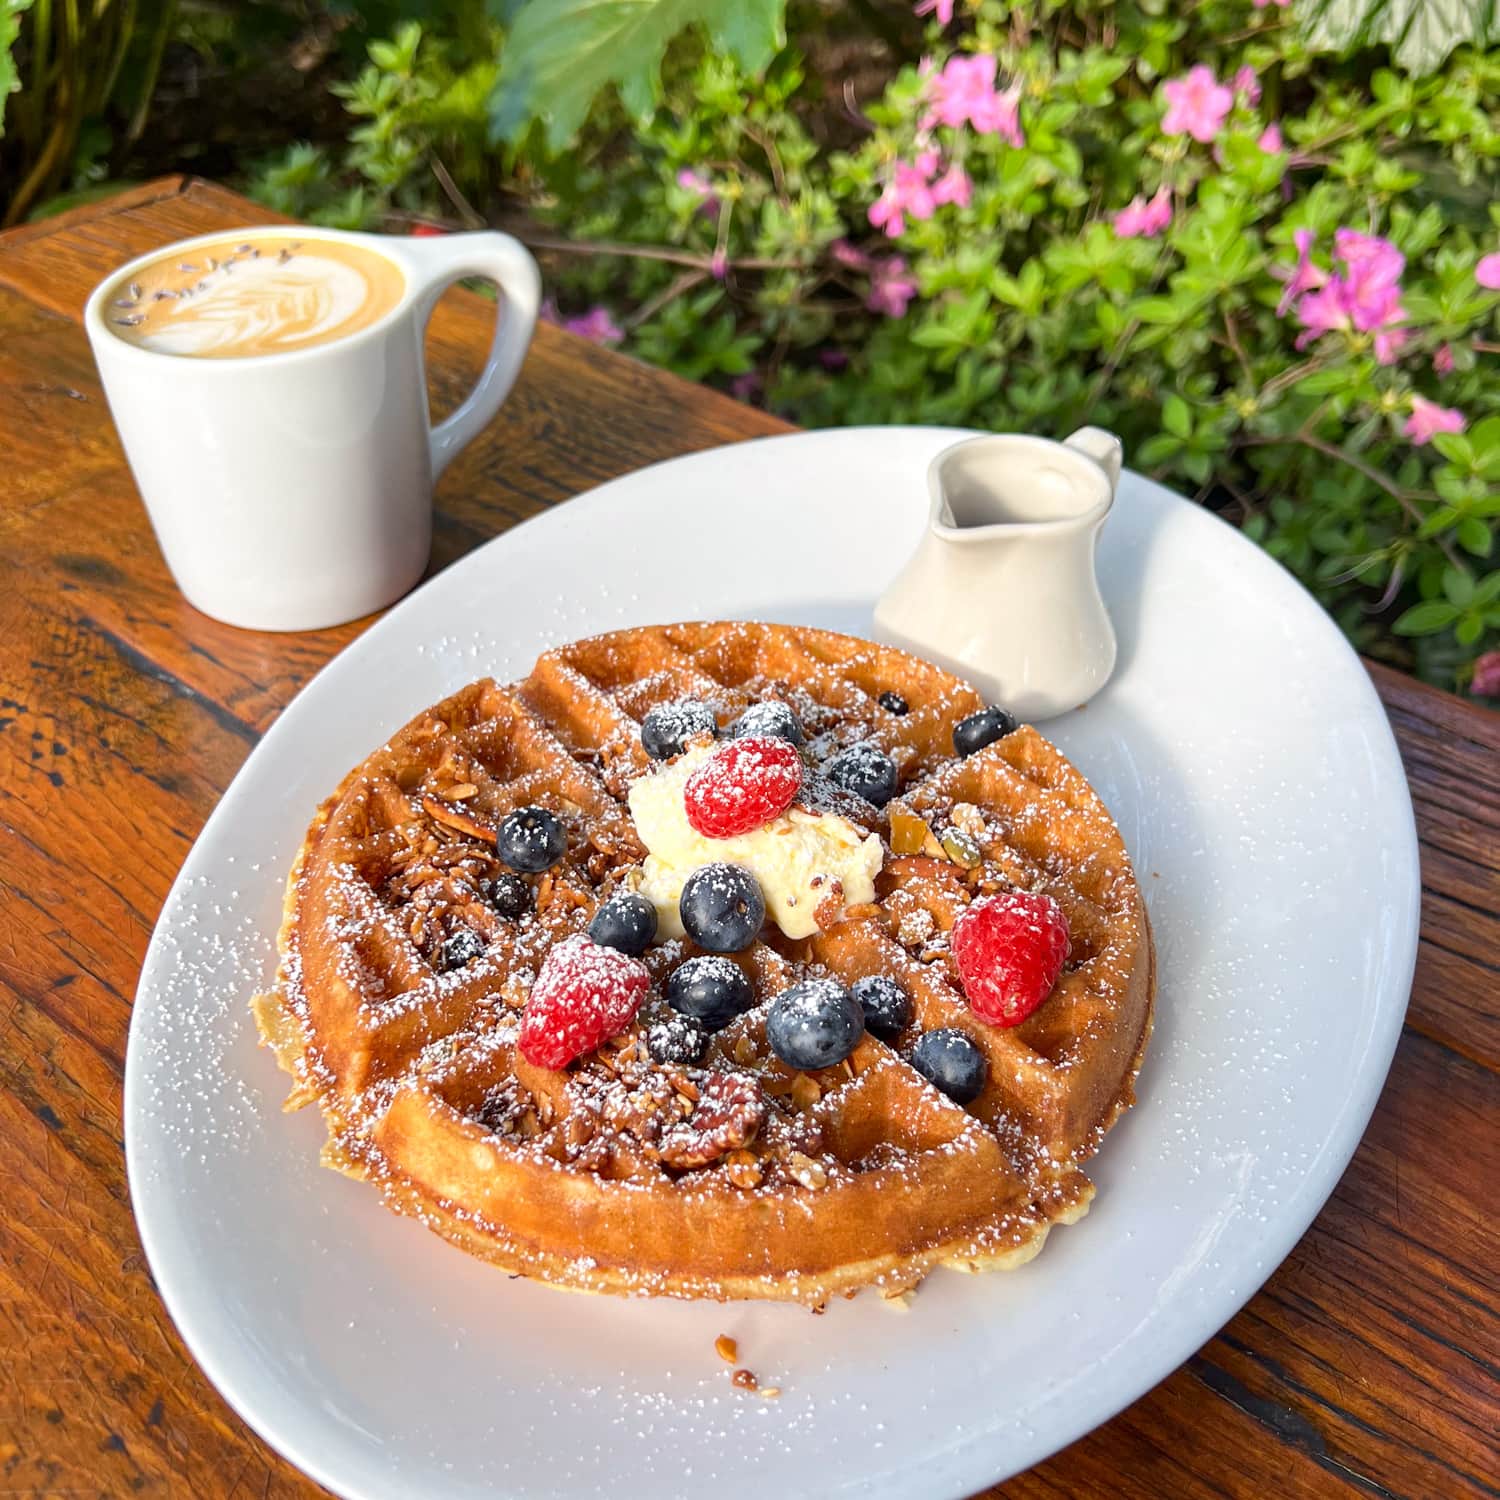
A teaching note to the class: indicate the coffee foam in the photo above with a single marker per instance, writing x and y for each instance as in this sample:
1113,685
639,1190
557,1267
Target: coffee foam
270,294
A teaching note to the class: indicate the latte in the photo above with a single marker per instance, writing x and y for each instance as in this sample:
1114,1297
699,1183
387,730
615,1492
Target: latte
266,294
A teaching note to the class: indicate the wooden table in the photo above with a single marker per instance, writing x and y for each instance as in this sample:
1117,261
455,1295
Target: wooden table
1365,1366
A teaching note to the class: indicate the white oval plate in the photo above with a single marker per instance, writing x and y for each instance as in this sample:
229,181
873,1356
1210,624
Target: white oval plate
1250,766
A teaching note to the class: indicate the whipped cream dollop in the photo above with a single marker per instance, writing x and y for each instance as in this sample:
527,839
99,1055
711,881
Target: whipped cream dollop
805,862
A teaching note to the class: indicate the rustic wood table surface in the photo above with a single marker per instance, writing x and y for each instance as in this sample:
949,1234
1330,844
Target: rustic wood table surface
1366,1366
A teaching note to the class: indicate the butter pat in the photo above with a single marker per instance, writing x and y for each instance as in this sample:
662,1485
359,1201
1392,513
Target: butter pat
800,860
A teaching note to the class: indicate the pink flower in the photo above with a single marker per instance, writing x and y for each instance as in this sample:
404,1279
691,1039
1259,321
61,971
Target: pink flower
927,162
954,187
1486,680
1196,104
1487,272
1147,220
1366,296
1428,419
1372,284
852,256
907,192
964,94
746,387
695,182
596,326
1442,361
1270,140
890,287
1304,277
1388,345
1245,83
718,265
833,359
943,9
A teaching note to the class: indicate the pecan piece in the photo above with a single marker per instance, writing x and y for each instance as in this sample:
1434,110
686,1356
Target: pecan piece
450,815
729,1111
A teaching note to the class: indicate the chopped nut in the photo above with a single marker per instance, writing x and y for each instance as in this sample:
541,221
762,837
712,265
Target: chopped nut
726,1348
744,1170
455,818
770,1392
968,819
744,1049
729,1111
809,1173
745,1380
458,793
805,1091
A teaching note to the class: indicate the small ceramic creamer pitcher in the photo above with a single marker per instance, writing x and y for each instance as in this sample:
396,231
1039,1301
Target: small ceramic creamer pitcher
1002,589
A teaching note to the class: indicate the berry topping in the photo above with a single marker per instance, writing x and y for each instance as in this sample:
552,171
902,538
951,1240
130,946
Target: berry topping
742,785
627,922
531,839
866,770
721,908
981,729
510,896
951,1060
814,1024
769,720
711,990
463,947
678,1039
886,1005
893,703
584,995
1009,950
666,730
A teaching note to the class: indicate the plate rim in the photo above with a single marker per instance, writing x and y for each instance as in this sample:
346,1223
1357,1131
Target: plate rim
150,1204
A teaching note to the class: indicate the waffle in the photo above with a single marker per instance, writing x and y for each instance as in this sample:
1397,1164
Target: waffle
738,1177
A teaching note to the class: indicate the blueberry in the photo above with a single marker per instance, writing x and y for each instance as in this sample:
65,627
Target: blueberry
886,1005
893,703
462,947
668,727
678,1039
866,770
531,839
981,729
627,922
814,1024
951,1060
722,908
710,989
510,896
770,719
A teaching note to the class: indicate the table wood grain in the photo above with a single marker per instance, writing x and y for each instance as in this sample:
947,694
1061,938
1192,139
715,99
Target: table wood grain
1366,1365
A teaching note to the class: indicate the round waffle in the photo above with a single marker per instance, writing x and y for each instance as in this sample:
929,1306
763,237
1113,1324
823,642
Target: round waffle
738,1177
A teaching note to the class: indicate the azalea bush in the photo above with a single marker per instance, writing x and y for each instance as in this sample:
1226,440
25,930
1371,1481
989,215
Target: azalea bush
1273,269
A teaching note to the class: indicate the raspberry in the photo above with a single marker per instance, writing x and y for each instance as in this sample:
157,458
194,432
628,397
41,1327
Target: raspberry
584,994
742,785
1009,950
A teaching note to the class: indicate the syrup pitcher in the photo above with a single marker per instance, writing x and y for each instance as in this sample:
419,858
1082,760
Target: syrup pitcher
1002,589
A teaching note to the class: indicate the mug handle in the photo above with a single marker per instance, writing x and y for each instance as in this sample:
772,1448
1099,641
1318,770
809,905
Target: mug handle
437,263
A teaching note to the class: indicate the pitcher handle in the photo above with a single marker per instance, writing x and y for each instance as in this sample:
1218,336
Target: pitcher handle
1103,447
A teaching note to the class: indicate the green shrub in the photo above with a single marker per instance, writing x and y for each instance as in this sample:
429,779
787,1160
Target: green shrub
864,223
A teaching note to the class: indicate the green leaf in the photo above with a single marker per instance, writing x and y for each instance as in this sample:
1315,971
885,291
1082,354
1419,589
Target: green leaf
1176,417
1475,537
561,53
1426,619
1420,33
10,29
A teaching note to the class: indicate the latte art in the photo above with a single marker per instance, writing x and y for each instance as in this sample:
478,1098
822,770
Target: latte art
269,294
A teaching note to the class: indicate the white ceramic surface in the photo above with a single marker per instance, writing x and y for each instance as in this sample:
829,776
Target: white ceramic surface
1002,589
1256,782
294,491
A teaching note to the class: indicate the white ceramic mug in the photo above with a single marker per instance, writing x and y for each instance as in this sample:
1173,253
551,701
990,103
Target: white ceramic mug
292,491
